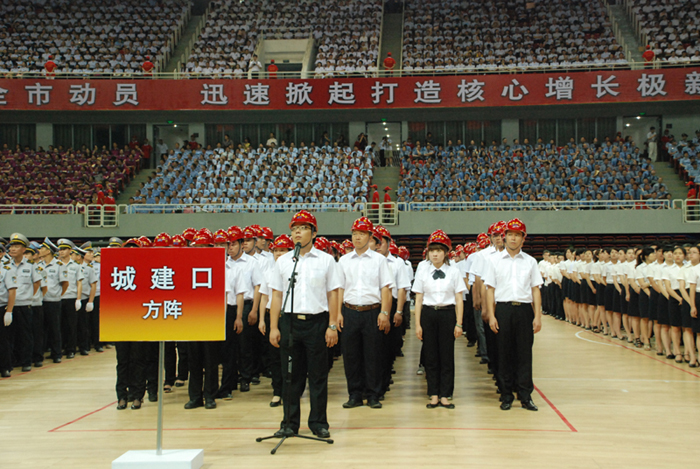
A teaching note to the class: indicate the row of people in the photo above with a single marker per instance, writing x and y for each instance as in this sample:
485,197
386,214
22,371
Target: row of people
669,28
647,291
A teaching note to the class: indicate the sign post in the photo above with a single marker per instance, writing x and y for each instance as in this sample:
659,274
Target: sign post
161,294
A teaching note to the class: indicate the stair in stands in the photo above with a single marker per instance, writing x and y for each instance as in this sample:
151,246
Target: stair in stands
133,185
386,177
391,39
184,47
676,186
626,34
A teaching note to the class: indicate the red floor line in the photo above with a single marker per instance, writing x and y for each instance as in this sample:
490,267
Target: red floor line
642,354
554,408
272,429
82,417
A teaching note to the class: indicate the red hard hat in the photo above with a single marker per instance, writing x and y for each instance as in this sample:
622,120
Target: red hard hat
267,233
179,241
459,248
347,244
189,233
220,237
377,234
516,225
500,228
482,240
234,234
145,242
489,232
439,237
403,252
163,240
321,244
283,241
203,238
383,231
133,242
362,224
250,232
303,218
393,249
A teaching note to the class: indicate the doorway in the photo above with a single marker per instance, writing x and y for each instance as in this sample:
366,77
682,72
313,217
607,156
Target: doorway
171,134
637,128
377,131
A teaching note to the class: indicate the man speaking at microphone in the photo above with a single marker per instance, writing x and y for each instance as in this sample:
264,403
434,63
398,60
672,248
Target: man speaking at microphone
313,324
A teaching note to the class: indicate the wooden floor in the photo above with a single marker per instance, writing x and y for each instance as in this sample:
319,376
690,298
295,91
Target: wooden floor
601,405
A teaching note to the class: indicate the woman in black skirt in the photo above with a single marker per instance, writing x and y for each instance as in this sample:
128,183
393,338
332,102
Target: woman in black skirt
687,274
671,278
607,276
644,260
626,261
662,304
692,281
633,305
587,291
615,271
654,276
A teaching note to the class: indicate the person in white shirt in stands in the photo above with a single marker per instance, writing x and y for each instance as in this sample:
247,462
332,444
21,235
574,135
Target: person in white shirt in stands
439,315
312,327
365,296
515,314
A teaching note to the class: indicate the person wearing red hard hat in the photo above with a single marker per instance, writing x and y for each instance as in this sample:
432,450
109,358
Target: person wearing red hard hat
238,355
405,256
263,243
514,304
348,246
366,299
393,341
439,309
309,321
279,247
468,310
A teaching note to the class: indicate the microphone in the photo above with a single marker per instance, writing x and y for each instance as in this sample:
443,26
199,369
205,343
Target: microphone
297,249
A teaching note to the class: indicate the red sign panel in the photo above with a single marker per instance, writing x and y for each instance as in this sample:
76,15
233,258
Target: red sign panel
611,86
162,294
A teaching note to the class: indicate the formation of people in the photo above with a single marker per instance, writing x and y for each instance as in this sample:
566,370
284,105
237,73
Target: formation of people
642,295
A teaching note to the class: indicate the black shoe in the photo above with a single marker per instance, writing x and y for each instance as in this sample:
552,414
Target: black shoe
529,405
322,433
99,349
57,360
276,403
381,398
26,368
211,404
282,432
489,370
483,361
152,397
431,406
193,404
352,403
506,405
136,405
447,406
255,380
121,405
84,353
245,387
4,374
227,396
70,355
477,354
38,364
471,344
374,404
179,383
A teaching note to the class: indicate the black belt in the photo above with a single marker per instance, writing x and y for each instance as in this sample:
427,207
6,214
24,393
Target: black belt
362,308
309,317
440,308
513,303
247,302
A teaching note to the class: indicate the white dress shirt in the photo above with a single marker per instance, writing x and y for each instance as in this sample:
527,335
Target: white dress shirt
317,274
672,273
409,273
237,281
363,277
477,267
441,291
398,269
249,269
693,276
513,278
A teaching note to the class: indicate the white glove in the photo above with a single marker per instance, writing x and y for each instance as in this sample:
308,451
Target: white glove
8,319
89,307
78,305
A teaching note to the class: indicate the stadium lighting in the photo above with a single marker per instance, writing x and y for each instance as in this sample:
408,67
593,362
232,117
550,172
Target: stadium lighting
627,125
175,125
638,117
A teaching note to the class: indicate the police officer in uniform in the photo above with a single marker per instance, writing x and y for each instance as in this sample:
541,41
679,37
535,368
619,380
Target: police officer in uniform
69,278
52,298
94,315
8,293
513,280
87,289
38,346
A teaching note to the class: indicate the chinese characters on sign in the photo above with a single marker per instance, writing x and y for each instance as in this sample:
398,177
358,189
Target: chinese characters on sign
570,87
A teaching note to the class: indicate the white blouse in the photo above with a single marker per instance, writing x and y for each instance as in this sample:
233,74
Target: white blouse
441,291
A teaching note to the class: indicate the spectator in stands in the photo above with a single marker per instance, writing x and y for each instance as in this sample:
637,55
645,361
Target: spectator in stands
147,67
254,66
50,68
272,69
389,64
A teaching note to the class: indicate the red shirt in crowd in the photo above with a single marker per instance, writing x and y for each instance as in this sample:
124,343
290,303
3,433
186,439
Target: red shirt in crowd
648,55
147,67
389,62
272,70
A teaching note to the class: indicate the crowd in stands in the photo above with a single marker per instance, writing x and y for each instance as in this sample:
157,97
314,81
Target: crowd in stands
272,173
600,172
671,28
65,176
346,33
684,155
489,34
94,36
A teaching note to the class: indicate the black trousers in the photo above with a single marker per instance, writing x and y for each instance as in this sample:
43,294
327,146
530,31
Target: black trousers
5,351
274,359
309,357
38,334
52,328
247,361
130,371
203,360
150,366
69,324
515,338
83,327
492,348
94,323
439,348
21,336
362,349
469,322
391,345
230,351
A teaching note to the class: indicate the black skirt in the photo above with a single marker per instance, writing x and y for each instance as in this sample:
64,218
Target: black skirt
600,294
591,295
609,288
653,305
616,301
575,292
662,311
674,311
686,318
623,302
643,305
633,304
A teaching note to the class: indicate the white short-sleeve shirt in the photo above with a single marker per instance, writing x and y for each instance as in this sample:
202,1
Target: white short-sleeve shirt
439,291
513,277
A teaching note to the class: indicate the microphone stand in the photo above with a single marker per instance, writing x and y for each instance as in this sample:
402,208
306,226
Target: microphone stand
287,432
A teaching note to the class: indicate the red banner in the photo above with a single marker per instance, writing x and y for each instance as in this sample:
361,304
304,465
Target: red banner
162,294
611,86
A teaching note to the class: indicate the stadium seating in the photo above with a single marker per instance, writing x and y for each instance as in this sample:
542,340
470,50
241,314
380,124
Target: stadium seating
670,28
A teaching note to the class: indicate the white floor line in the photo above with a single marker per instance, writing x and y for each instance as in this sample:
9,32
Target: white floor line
596,342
